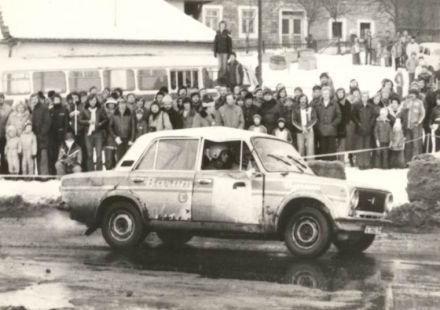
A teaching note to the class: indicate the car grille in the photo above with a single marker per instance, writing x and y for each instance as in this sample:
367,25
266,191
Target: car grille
371,201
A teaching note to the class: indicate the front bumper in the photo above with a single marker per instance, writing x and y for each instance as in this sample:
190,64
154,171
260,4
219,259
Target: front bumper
359,224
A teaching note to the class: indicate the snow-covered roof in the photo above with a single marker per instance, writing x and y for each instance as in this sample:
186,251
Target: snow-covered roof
120,20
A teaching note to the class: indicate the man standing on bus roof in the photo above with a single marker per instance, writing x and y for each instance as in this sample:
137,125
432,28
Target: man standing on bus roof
234,71
222,48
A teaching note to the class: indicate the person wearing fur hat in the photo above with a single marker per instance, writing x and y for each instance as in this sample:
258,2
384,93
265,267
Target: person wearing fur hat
257,127
282,132
19,116
270,111
249,110
258,97
69,156
28,142
12,150
158,120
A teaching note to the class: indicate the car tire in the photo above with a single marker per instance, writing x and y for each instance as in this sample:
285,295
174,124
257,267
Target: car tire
174,238
308,233
122,226
355,245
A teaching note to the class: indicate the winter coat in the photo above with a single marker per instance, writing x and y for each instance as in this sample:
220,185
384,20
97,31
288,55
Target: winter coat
234,73
122,125
283,134
41,124
397,142
412,114
12,149
203,121
159,122
382,131
297,118
5,111
364,117
259,129
286,112
345,107
60,122
329,118
230,116
270,113
18,120
175,118
188,118
141,128
248,114
101,120
70,156
75,120
222,43
28,143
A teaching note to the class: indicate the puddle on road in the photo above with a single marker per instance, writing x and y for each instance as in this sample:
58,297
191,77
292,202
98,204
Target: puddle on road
35,297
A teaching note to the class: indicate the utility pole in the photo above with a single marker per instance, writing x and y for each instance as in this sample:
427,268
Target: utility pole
260,42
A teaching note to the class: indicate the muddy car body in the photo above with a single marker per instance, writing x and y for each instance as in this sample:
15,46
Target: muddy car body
225,183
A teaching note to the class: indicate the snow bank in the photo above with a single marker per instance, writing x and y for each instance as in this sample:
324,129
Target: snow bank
31,191
394,180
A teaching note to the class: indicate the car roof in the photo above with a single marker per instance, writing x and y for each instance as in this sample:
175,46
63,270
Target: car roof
430,44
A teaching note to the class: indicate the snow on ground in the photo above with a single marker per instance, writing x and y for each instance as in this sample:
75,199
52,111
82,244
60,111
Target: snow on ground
31,191
394,180
340,68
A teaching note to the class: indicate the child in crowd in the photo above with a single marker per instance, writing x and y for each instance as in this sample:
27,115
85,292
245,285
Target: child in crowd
257,127
282,132
382,135
28,142
397,146
69,157
12,150
141,124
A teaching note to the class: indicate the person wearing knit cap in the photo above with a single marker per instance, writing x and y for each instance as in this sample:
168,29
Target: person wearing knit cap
257,127
281,132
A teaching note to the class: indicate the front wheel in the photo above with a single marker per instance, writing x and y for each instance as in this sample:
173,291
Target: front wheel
174,238
308,233
354,245
122,226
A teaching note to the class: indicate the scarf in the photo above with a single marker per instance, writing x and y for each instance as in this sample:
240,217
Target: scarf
92,126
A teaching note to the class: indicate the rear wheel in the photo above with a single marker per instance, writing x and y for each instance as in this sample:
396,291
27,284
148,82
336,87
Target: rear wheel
174,238
355,245
308,233
122,226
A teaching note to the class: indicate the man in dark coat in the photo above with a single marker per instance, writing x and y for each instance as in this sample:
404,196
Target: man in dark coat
234,71
249,110
59,124
329,117
41,124
364,116
222,48
270,111
122,128
174,116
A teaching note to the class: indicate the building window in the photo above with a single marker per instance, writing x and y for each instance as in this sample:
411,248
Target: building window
291,27
337,29
363,26
248,22
212,15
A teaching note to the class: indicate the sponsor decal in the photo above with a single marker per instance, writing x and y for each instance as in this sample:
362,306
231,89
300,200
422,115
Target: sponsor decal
168,183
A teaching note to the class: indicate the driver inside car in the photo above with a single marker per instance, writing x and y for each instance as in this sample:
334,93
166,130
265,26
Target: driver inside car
218,157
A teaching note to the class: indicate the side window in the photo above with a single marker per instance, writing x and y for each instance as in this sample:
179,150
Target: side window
147,162
45,81
188,78
17,83
81,80
177,154
119,78
152,79
221,155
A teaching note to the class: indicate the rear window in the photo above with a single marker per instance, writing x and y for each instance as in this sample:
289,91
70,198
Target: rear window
84,80
152,79
119,78
173,154
17,83
45,81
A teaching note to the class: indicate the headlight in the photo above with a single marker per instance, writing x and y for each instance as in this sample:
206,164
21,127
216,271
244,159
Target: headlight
389,201
354,199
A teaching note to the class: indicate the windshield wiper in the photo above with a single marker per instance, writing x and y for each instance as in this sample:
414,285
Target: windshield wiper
280,159
298,162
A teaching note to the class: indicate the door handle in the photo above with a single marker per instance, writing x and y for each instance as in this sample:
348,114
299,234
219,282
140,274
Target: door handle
238,184
137,180
204,181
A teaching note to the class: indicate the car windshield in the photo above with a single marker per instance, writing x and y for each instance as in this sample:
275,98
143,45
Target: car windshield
279,156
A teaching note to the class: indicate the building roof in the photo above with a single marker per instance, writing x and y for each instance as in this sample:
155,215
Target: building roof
104,20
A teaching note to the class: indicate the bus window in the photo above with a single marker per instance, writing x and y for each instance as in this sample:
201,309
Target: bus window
119,78
209,77
152,79
84,80
45,81
17,83
188,78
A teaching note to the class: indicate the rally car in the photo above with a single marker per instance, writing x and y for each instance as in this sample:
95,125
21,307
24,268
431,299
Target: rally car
228,183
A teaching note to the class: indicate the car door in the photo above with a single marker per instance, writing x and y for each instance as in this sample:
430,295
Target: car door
229,196
163,178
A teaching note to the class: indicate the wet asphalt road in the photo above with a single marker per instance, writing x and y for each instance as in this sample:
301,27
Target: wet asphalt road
47,263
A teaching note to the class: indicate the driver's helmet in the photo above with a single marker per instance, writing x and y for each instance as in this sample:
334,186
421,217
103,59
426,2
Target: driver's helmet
216,150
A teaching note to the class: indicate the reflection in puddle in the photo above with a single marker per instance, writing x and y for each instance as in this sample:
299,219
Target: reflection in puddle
43,296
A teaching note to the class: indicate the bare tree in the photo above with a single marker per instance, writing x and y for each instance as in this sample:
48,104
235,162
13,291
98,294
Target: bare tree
391,8
312,8
336,9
